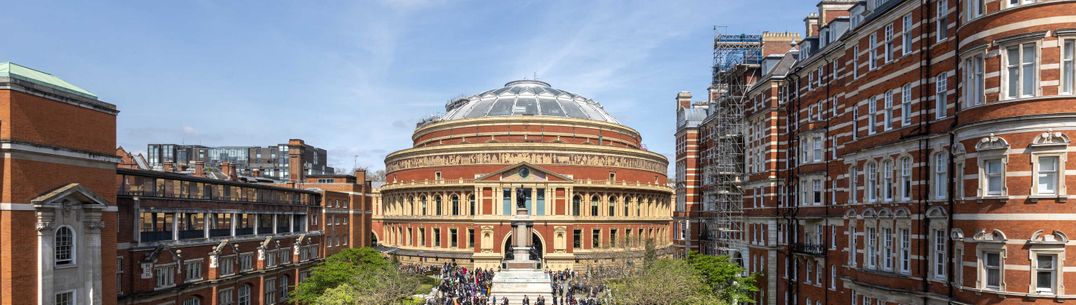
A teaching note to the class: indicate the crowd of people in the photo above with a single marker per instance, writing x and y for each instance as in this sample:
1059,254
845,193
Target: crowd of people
462,286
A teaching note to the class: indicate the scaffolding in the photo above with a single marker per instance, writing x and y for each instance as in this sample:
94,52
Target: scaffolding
736,58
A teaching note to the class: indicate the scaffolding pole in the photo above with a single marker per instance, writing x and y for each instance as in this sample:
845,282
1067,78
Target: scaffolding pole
735,58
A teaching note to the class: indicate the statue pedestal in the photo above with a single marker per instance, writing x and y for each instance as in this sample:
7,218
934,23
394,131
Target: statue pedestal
522,276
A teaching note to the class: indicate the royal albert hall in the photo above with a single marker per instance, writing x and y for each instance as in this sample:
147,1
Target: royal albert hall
595,194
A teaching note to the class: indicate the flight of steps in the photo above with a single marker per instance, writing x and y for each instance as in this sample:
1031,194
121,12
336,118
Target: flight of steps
515,283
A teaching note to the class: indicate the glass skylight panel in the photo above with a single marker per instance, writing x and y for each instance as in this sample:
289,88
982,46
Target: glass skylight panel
528,105
550,107
503,106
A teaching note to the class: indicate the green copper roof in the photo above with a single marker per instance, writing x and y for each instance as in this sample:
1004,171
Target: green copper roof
13,70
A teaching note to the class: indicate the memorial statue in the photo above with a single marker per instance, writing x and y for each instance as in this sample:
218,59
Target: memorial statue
521,199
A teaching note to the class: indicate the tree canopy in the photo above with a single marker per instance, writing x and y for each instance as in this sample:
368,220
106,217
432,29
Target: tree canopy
354,276
724,278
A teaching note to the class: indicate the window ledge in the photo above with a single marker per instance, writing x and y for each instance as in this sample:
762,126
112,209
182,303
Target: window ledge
992,198
1058,198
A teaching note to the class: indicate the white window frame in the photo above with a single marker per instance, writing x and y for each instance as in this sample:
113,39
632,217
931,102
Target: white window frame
941,31
905,245
872,181
1008,68
887,52
855,61
905,165
226,296
887,249
906,35
162,278
906,105
984,270
853,184
72,248
1055,271
887,180
872,56
887,114
940,170
974,82
975,9
941,96
1068,65
1015,3
70,294
938,253
872,114
189,271
871,248
985,176
852,244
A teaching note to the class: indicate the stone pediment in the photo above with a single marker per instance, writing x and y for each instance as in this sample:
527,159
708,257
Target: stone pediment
523,172
73,192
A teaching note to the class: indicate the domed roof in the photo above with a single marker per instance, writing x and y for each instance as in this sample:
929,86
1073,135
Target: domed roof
526,97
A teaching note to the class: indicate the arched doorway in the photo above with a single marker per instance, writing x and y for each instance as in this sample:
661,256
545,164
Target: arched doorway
536,252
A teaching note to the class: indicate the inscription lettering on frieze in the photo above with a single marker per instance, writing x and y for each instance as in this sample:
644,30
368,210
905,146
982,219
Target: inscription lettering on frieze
533,158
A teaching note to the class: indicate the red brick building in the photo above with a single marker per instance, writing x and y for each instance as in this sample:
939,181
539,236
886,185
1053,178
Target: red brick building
914,152
58,190
595,193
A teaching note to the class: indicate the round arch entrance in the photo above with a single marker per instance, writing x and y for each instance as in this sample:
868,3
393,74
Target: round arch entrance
536,253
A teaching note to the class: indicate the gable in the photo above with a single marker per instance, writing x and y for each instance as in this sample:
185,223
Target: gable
523,172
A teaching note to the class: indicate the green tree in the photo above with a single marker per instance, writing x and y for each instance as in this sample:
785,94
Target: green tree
651,254
663,282
362,273
724,278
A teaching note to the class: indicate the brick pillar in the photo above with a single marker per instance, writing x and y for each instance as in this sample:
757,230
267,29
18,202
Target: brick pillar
295,160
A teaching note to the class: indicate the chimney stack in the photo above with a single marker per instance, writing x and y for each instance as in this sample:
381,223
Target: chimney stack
683,100
360,175
228,169
169,167
199,168
257,172
295,160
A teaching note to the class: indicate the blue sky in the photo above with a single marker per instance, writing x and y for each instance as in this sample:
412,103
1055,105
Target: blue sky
354,77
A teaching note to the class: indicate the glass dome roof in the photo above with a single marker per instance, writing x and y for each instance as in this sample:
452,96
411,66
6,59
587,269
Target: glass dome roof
526,97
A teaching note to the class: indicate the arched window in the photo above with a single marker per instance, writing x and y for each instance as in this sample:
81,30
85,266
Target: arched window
887,180
64,246
594,205
422,203
627,210
577,203
612,206
192,301
437,204
470,199
244,295
455,205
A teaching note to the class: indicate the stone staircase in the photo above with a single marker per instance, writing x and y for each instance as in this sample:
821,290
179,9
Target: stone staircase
516,283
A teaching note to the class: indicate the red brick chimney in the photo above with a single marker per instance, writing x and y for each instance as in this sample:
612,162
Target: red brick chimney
360,175
295,160
228,169
199,168
169,167
683,100
257,172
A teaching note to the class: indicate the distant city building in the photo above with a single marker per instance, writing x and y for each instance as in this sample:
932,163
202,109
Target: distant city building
85,222
255,161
